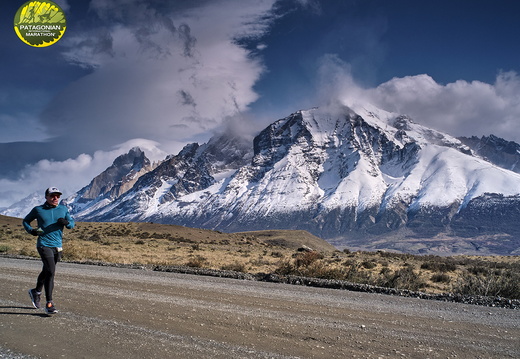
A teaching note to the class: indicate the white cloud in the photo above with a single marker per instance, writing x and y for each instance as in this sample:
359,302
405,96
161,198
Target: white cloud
335,82
163,75
460,108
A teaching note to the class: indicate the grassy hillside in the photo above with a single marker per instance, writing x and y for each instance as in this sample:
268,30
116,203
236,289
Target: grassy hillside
272,251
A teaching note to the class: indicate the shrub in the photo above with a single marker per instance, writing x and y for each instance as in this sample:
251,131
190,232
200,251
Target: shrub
405,278
276,254
478,270
180,239
4,249
305,259
237,267
197,262
439,266
28,251
285,267
319,270
393,255
353,274
440,278
95,237
489,283
369,264
143,235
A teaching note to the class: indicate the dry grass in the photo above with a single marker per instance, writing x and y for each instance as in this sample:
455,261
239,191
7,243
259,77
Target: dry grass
156,244
273,251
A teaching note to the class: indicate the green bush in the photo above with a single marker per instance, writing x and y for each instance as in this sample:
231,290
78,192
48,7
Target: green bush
4,249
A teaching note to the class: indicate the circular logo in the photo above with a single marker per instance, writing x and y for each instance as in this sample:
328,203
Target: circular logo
40,23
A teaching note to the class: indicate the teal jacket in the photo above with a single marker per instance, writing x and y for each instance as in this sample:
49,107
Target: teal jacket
47,217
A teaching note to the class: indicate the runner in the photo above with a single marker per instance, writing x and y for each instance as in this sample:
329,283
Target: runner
51,218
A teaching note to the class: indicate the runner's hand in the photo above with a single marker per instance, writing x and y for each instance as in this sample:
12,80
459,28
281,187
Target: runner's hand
36,231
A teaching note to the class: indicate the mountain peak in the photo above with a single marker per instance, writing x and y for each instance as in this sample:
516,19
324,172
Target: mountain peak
111,183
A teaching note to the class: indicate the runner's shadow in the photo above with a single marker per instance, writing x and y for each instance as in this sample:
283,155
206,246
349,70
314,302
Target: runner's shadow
34,313
15,307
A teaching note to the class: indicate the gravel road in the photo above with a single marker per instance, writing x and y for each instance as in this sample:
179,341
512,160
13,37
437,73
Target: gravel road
108,312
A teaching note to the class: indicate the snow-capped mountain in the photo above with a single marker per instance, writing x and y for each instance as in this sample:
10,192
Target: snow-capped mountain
111,183
194,169
347,175
21,208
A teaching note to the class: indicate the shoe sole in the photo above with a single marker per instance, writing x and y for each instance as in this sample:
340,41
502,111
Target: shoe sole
32,299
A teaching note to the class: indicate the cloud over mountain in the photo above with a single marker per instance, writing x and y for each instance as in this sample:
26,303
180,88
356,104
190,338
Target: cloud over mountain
455,108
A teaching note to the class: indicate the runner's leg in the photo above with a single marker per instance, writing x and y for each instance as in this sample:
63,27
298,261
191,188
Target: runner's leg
49,258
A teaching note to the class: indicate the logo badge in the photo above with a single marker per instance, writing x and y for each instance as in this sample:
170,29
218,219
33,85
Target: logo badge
40,23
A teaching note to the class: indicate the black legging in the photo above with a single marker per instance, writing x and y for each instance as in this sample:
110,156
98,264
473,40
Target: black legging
49,256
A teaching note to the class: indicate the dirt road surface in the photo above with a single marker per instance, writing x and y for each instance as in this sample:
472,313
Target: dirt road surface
108,312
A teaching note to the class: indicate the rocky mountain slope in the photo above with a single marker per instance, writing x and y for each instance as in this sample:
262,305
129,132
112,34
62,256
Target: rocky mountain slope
354,176
112,183
505,154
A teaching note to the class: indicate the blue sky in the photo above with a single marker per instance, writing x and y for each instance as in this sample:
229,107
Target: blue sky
160,74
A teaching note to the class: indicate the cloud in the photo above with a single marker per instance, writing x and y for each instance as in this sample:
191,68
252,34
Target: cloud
335,82
460,108
158,72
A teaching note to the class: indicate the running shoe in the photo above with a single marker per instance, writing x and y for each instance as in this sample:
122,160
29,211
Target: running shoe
35,298
50,309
